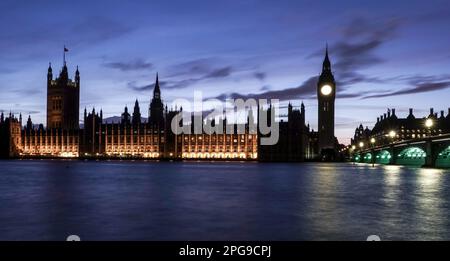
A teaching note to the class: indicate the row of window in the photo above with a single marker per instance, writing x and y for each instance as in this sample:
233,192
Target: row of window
44,149
126,133
420,131
219,150
53,139
131,148
127,139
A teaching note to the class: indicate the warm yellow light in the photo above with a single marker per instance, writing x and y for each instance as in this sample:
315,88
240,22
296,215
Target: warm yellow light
392,134
372,140
429,123
353,147
361,144
326,89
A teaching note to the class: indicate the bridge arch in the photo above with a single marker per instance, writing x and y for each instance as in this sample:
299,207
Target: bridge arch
356,158
383,157
443,158
414,156
367,158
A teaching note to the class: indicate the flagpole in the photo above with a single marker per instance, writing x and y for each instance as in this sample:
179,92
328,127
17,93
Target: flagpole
64,55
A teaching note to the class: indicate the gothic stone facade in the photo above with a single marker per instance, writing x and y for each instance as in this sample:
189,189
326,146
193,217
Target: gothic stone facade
134,138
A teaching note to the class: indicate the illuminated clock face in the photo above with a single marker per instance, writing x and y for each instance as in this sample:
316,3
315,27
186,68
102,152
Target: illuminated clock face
326,90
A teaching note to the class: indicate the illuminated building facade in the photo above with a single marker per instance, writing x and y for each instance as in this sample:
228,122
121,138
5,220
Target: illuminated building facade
390,128
150,139
154,139
49,143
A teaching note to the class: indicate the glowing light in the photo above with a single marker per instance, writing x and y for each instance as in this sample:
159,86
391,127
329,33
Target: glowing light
372,140
429,123
392,134
68,155
361,144
326,90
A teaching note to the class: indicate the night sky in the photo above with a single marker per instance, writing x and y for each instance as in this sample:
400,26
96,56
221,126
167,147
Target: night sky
384,53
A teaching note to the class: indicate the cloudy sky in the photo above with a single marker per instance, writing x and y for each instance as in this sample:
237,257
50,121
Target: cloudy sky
384,53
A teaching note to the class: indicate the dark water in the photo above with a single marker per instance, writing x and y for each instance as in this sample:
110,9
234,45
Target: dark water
49,200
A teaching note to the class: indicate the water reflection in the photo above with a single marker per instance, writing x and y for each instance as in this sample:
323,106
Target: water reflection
392,176
430,215
429,179
323,211
121,200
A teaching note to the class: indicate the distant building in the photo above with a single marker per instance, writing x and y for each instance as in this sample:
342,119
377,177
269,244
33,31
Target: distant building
10,136
293,143
390,128
130,137
154,139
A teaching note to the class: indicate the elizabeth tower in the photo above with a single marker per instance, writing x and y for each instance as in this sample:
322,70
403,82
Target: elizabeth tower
326,94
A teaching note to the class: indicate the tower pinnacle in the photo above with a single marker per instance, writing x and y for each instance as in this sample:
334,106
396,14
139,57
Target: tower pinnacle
326,61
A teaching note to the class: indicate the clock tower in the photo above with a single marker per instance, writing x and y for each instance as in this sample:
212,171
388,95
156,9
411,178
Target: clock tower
326,94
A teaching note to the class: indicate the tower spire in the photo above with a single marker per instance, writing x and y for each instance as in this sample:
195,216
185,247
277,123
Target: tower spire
157,91
326,61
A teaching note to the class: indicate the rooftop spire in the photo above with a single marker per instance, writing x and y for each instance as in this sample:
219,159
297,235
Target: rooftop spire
326,61
157,91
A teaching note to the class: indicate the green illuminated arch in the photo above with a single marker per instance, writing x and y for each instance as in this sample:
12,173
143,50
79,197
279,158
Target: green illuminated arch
367,158
412,156
383,157
443,158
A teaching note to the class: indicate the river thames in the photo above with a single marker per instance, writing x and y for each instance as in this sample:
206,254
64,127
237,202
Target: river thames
137,200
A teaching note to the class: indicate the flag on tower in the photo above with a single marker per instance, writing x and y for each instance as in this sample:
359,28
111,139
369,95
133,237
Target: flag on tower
64,54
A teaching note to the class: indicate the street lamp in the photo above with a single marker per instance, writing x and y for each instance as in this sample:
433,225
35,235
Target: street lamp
361,144
392,134
372,141
352,151
429,123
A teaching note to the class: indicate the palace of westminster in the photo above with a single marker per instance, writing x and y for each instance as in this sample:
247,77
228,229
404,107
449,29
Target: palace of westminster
153,139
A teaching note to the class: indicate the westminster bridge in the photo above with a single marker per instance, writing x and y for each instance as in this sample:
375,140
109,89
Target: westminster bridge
431,151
